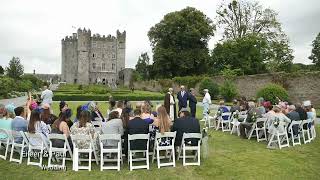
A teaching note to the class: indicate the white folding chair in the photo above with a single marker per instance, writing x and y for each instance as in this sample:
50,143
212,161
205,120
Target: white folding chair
225,125
158,147
5,142
110,150
295,137
37,142
59,152
186,146
133,151
77,151
252,131
278,138
261,127
235,125
313,132
305,131
18,147
208,121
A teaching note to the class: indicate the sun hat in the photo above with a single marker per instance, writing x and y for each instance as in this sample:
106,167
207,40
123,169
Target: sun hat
306,103
10,108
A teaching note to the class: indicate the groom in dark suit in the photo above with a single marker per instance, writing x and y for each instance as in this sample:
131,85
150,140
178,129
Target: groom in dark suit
182,96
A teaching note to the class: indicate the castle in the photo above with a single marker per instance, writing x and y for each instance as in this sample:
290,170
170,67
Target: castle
93,59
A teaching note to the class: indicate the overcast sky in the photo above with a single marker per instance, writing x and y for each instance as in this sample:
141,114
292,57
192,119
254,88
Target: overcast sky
33,29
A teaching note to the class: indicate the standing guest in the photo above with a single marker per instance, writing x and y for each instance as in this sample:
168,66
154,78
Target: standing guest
138,126
112,126
301,111
182,96
60,126
46,96
185,124
235,107
19,123
249,121
46,115
192,102
37,126
170,104
4,122
146,113
84,127
206,102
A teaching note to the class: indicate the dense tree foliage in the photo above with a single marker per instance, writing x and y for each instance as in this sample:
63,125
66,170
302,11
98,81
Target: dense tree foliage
315,52
142,66
15,68
1,70
179,43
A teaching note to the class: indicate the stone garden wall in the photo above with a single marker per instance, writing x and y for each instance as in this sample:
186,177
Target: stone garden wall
300,86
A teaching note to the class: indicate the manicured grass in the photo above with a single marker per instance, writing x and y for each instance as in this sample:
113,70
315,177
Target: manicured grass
230,157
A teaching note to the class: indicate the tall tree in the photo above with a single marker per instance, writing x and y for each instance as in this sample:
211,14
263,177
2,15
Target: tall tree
1,70
242,18
315,52
15,68
142,66
179,43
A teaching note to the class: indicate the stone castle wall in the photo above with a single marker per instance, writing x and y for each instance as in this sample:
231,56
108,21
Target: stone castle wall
300,86
93,59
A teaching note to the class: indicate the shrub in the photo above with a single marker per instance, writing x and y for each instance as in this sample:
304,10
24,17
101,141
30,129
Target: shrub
213,88
24,86
188,81
165,84
95,89
228,91
105,97
7,85
270,92
36,82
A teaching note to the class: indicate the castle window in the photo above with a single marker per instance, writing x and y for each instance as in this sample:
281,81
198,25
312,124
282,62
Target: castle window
102,55
112,66
113,56
93,65
92,54
103,66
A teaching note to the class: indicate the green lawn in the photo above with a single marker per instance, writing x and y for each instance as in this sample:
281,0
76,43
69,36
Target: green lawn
230,157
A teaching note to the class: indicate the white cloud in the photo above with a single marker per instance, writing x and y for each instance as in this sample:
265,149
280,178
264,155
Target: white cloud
33,29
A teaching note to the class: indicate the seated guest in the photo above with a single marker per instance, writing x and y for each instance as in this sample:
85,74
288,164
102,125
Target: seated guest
4,122
126,116
244,104
60,126
283,120
112,126
138,126
146,113
269,114
161,124
185,124
10,111
79,109
46,115
246,126
310,114
260,107
235,107
84,127
139,105
120,106
64,108
293,115
223,109
37,126
112,106
95,112
301,111
19,123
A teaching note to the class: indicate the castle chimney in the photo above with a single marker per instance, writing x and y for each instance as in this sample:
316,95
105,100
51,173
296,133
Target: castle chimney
34,71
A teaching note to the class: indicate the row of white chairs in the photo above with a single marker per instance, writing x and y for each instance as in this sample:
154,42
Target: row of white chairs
260,127
55,154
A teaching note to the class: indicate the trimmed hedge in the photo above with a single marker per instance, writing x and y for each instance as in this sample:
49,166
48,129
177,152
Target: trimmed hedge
270,92
105,97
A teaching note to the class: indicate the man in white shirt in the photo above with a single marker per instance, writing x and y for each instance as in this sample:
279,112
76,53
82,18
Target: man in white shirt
206,102
46,96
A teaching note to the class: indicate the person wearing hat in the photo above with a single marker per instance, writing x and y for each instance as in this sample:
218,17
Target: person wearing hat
206,102
182,96
170,104
192,102
185,124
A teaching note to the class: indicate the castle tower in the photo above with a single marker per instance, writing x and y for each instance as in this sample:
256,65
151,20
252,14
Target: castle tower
83,49
69,59
121,51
